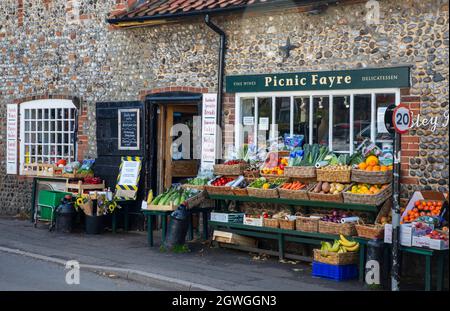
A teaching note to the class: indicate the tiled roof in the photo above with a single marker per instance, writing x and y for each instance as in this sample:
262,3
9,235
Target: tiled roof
164,8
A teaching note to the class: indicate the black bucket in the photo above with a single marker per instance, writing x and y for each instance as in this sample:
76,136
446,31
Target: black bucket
64,222
94,224
178,227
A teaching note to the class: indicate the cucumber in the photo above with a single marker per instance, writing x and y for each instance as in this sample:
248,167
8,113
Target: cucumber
157,199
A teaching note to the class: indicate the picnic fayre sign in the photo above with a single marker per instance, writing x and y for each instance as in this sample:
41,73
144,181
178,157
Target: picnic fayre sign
396,77
129,129
209,131
11,138
128,179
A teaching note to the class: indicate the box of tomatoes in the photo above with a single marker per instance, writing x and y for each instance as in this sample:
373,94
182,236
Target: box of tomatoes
424,203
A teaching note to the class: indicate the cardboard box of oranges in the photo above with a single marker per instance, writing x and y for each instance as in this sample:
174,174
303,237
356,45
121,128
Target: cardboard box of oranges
424,203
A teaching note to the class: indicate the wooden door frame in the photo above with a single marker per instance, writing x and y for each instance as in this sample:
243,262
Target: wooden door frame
165,122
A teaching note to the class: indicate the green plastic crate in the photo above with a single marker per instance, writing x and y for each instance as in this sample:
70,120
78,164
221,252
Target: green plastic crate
51,198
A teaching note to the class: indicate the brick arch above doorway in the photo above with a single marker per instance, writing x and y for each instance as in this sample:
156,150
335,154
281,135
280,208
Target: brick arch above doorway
189,89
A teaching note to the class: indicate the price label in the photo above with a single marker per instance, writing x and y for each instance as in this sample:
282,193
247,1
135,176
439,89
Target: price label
402,119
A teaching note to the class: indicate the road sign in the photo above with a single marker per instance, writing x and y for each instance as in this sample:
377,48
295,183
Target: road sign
402,119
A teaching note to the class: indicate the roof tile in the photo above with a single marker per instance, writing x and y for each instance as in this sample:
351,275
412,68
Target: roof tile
171,7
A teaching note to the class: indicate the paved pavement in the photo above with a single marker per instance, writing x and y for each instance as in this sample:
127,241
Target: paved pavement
218,268
20,273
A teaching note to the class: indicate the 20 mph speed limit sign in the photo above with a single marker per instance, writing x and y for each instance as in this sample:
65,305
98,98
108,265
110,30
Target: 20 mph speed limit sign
402,119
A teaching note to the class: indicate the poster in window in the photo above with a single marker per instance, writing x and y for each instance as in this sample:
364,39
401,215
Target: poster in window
129,135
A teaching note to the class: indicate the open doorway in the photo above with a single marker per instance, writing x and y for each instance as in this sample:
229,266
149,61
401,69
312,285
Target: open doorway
173,157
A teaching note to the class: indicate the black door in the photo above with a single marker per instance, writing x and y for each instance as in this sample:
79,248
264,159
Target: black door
108,152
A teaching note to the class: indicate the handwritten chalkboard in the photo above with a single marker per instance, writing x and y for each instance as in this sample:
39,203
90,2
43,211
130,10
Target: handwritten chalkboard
129,129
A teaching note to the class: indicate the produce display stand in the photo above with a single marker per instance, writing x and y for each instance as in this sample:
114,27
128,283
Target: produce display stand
150,214
282,235
293,203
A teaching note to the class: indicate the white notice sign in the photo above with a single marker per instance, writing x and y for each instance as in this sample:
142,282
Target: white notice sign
209,131
248,121
12,114
129,173
263,124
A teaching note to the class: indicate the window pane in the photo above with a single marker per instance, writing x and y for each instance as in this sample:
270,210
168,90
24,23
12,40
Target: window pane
321,114
341,124
33,125
264,121
301,117
247,120
46,114
282,116
382,101
33,114
27,113
362,118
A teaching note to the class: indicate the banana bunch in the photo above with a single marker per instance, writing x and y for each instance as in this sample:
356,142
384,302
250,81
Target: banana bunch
339,246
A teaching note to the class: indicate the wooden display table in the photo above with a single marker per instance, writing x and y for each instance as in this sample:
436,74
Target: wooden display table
81,187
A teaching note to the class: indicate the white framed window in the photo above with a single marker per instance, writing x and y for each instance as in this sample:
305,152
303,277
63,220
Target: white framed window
47,131
341,119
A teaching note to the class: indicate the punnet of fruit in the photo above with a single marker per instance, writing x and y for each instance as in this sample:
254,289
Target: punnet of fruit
274,165
221,181
422,208
372,164
367,189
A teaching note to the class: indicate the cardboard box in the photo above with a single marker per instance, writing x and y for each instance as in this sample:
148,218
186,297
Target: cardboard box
251,221
233,238
420,241
230,217
423,195
406,232
427,242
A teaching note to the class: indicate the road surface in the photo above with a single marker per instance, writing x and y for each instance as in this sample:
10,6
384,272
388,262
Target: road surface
20,273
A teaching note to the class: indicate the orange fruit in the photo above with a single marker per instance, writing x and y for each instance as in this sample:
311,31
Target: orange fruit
369,168
362,166
384,168
415,210
376,168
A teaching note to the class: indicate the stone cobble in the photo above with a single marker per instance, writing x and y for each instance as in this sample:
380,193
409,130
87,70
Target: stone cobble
46,52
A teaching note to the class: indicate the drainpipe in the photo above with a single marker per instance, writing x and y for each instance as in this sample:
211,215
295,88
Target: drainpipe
221,66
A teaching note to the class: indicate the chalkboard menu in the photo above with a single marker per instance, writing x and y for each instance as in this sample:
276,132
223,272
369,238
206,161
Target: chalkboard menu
129,129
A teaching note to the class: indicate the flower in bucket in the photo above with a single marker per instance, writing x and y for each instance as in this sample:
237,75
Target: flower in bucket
107,206
80,200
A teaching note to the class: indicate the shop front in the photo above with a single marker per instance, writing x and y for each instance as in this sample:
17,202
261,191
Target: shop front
339,109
